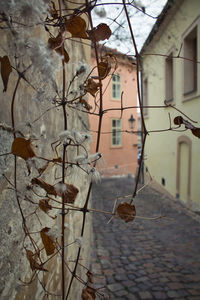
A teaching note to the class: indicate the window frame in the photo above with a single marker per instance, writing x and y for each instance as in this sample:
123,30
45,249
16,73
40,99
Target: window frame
145,96
169,77
193,93
116,84
118,131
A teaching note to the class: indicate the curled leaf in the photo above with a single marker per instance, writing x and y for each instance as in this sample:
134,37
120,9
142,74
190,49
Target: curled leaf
100,33
77,27
70,194
104,69
56,44
6,69
47,241
46,186
85,104
33,263
126,211
44,205
178,120
90,276
88,293
92,87
196,132
57,160
22,148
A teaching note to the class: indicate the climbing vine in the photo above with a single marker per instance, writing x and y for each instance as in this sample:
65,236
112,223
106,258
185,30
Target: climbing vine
41,63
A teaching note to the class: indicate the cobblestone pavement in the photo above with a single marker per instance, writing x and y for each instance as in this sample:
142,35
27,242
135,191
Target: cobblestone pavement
145,259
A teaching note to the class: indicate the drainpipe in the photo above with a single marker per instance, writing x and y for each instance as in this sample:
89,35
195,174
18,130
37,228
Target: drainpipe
142,129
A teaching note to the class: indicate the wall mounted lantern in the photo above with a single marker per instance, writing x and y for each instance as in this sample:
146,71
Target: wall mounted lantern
131,122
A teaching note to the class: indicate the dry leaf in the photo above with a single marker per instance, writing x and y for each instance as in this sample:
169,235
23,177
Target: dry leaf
77,27
47,187
104,69
33,263
6,69
47,241
178,120
70,194
88,293
85,104
90,276
56,44
196,132
57,160
100,33
44,205
92,87
22,148
126,211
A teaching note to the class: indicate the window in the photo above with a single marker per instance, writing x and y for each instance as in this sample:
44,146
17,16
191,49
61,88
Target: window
116,132
169,78
116,87
145,96
190,64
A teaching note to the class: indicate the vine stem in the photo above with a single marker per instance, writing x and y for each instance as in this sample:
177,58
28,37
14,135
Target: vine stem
100,114
139,99
63,162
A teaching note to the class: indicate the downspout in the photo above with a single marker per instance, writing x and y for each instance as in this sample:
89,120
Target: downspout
141,126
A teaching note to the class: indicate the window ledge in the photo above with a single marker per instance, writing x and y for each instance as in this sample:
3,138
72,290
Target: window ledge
116,147
115,99
190,96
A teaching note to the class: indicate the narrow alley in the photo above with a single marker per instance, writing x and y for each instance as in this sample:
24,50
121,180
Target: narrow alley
145,259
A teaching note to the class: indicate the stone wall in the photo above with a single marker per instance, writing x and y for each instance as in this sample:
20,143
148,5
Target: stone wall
37,118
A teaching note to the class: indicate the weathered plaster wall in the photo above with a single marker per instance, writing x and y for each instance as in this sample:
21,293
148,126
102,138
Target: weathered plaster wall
14,265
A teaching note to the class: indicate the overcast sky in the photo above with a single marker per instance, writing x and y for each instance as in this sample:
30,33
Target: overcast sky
141,23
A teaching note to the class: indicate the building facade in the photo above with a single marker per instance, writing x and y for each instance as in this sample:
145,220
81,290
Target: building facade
117,146
170,76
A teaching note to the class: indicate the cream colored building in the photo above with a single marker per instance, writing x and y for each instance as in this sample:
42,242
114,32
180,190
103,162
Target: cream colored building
171,72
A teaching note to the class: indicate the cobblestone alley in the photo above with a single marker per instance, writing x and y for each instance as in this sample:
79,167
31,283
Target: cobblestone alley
145,259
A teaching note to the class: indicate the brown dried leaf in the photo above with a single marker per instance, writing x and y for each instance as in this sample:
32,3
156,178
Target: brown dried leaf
90,276
22,148
85,104
77,27
100,33
88,293
44,205
46,186
92,87
56,44
33,263
104,69
126,211
57,160
196,132
47,241
178,120
6,69
70,194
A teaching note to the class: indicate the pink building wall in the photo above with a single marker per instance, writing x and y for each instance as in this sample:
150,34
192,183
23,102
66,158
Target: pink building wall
117,160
